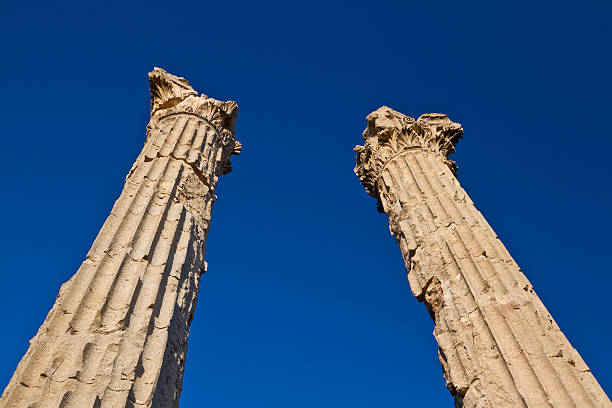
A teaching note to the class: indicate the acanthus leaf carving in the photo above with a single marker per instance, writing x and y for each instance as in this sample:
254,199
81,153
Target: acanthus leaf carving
167,90
171,95
390,133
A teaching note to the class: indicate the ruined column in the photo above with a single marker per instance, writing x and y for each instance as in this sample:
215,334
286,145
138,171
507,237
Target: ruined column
498,345
117,334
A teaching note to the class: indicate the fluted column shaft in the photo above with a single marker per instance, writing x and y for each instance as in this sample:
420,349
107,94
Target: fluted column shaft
117,334
498,345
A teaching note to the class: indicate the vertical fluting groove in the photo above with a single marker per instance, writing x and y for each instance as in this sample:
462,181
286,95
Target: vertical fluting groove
169,388
100,285
211,157
475,279
160,135
121,322
185,141
464,277
142,239
480,328
454,343
469,272
200,146
83,317
483,234
114,310
125,363
143,387
545,370
414,187
498,345
542,367
67,307
173,140
197,144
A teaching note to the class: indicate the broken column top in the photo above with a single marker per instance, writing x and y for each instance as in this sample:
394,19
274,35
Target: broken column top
171,94
390,133
168,90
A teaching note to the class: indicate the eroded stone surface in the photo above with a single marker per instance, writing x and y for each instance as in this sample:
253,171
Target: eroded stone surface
498,345
117,334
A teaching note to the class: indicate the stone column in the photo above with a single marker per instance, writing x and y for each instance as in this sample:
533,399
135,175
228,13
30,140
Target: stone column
498,345
117,334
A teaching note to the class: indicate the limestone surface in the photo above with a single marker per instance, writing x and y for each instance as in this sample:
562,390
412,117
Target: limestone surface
117,334
498,345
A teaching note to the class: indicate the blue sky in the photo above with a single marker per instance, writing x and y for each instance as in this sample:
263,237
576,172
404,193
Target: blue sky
306,302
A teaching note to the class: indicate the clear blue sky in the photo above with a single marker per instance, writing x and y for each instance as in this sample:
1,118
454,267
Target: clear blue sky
306,302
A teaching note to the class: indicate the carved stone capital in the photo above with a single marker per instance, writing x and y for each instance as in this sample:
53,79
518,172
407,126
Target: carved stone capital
390,133
172,95
167,90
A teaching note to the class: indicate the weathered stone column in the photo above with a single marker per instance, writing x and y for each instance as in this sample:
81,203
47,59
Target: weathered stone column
117,334
498,345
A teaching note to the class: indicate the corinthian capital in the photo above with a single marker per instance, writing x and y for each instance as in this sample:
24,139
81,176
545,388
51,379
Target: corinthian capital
167,90
390,133
172,95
